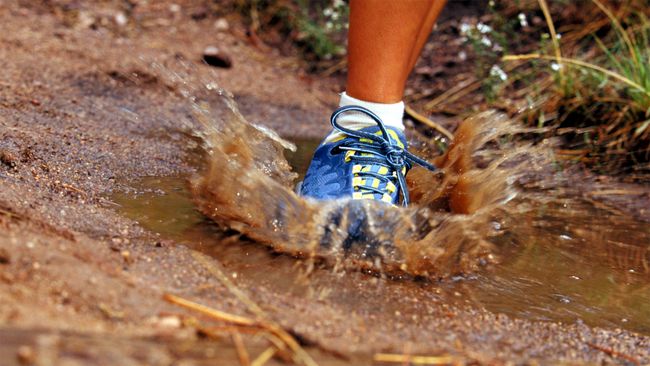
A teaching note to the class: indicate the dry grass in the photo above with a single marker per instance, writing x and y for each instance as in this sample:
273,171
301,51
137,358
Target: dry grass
280,340
599,99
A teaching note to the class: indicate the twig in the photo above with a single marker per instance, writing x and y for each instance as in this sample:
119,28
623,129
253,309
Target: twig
556,42
445,96
424,120
70,187
244,359
571,61
411,359
264,357
213,313
9,213
334,68
278,336
612,353
619,28
613,192
264,320
239,294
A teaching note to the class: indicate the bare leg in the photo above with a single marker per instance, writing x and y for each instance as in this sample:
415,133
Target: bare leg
384,42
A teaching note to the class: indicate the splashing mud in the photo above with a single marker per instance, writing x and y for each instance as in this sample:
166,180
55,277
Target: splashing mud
247,186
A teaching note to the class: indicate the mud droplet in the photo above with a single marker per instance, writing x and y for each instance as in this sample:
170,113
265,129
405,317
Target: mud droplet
562,298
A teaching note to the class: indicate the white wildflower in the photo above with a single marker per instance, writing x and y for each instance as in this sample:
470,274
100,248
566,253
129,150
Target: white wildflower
491,3
465,28
522,20
483,28
555,66
558,36
338,4
327,12
497,72
486,41
329,25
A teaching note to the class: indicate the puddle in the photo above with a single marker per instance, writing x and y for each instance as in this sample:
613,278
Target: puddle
560,258
571,262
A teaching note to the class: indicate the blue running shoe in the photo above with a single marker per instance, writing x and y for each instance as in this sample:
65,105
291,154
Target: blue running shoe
365,164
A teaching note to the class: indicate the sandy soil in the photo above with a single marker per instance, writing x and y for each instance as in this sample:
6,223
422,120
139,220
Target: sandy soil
83,115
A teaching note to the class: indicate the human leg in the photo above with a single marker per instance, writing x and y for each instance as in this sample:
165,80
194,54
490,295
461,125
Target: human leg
384,42
365,156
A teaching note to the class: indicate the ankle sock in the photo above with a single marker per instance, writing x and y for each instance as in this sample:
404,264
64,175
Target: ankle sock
390,113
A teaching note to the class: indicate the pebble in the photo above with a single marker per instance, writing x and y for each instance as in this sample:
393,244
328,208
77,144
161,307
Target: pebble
221,25
5,258
8,158
170,321
25,355
120,19
213,56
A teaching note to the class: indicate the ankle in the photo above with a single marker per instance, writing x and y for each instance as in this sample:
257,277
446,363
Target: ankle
390,113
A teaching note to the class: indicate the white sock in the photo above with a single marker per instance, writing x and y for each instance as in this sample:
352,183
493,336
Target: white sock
390,113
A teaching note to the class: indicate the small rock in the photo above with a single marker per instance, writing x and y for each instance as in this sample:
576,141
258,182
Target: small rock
221,25
213,56
5,258
84,20
126,255
8,158
199,14
171,321
25,355
120,19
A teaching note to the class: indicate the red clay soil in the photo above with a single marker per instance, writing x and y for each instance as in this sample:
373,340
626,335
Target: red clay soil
83,116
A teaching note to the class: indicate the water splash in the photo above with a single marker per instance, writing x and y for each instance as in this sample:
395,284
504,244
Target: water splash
562,256
247,186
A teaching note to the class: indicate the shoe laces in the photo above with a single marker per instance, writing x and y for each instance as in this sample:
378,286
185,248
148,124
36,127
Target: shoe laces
378,149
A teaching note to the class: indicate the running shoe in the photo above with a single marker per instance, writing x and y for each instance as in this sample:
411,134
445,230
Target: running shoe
369,163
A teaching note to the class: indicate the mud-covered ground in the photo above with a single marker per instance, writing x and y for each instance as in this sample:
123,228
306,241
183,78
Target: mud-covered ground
82,115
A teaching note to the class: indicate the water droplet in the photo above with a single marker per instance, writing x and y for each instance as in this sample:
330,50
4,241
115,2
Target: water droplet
562,298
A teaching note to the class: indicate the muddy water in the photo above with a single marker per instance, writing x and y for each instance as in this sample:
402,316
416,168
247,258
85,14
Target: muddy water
573,262
248,186
499,228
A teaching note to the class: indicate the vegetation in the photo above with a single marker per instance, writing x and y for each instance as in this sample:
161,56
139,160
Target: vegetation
601,96
587,79
317,28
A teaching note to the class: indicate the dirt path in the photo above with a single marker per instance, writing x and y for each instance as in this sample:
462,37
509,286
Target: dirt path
82,115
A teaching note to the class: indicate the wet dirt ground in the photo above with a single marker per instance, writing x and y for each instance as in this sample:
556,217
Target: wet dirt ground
85,118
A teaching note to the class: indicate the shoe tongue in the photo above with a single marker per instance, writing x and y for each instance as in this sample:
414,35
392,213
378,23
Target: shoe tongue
395,136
